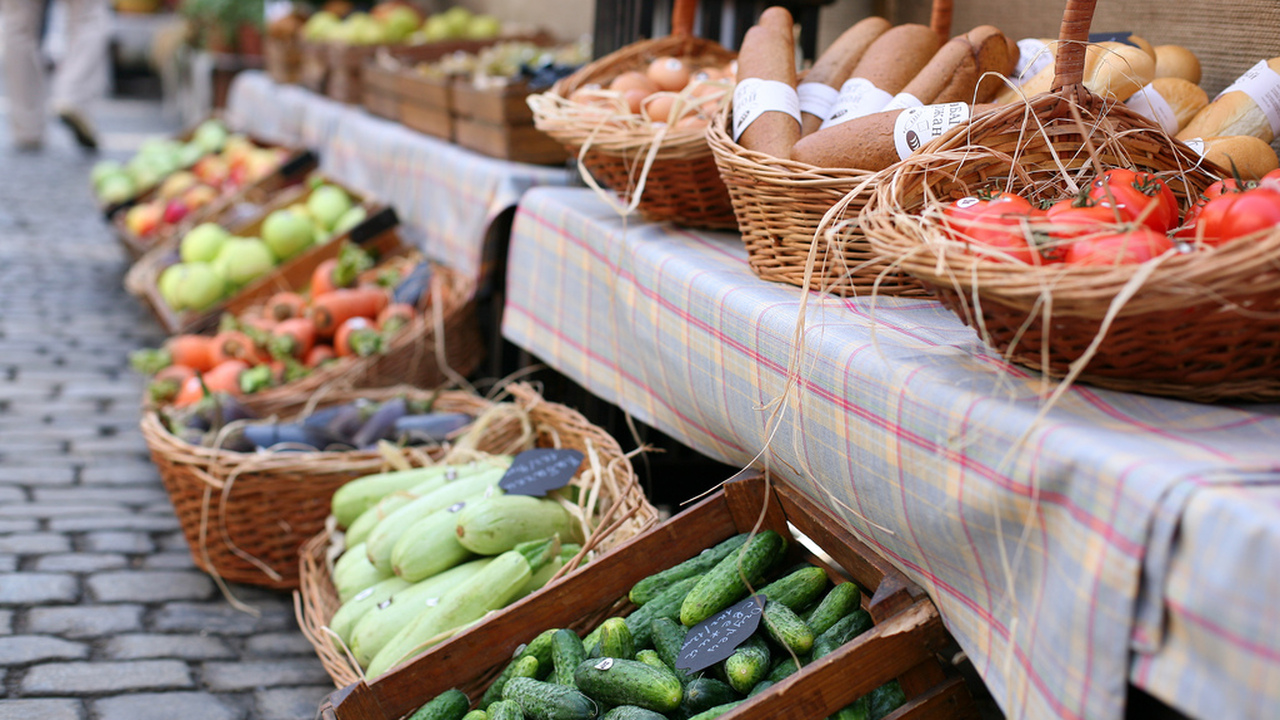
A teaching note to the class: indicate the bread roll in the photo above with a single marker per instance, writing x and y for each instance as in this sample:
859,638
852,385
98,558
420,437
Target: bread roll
884,70
951,73
1143,44
768,53
1243,154
1181,101
1237,112
865,143
995,54
837,62
1114,70
1177,61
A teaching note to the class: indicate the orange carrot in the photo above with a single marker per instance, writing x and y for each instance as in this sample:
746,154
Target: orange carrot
334,308
319,354
395,316
293,338
167,383
357,336
224,377
322,278
284,305
190,393
192,351
235,345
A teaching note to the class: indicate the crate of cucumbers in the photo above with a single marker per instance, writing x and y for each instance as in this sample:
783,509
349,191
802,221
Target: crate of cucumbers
718,612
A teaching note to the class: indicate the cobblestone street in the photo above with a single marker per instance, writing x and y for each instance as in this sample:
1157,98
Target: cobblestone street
102,614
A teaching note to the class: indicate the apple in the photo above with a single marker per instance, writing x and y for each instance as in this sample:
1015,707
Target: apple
260,163
202,242
116,188
350,219
104,169
176,184
199,196
242,260
236,148
457,18
168,282
320,25
190,154
198,287
210,135
143,219
483,27
436,29
211,169
327,203
175,211
287,233
398,21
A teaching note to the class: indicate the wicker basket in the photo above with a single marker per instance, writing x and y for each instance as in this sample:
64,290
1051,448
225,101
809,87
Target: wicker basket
622,513
681,185
1201,326
245,515
780,205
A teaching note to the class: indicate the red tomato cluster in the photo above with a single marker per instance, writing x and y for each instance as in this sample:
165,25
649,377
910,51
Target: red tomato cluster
1124,216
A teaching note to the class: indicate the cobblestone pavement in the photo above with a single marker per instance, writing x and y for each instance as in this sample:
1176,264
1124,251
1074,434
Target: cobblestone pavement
102,614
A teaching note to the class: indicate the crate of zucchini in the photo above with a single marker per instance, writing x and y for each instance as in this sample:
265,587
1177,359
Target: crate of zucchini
862,654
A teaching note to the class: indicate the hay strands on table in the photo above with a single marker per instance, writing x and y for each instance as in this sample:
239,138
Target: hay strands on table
1201,325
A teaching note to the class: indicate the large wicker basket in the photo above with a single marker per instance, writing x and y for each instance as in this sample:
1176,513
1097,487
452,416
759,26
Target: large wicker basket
620,513
245,515
667,173
1202,326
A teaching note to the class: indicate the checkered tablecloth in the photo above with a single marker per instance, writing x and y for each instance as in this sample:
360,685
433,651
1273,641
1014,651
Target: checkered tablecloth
449,194
1114,536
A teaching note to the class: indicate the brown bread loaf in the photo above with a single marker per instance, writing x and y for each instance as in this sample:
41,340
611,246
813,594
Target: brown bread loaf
768,53
837,62
865,143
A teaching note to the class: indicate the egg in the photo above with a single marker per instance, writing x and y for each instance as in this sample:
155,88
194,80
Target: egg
668,73
658,106
692,121
635,98
633,80
587,95
707,75
716,93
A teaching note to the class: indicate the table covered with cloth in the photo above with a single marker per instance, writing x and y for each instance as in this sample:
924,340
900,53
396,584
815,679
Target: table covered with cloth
448,193
1110,538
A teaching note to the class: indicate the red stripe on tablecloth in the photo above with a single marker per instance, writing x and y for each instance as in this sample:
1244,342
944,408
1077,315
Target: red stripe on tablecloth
1267,653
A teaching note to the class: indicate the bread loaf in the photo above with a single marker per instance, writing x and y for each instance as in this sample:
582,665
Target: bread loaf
1236,111
1111,69
865,143
951,73
997,56
1177,61
1246,155
768,53
1169,102
837,62
888,65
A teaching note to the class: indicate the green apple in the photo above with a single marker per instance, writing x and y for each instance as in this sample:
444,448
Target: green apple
104,169
190,154
199,287
350,219
242,260
320,25
327,203
168,282
458,18
202,243
116,188
483,27
287,233
399,22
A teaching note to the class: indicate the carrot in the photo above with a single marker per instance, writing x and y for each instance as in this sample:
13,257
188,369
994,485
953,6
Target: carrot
235,345
284,305
193,351
357,336
167,383
259,330
332,309
319,354
322,278
293,338
395,316
190,393
224,377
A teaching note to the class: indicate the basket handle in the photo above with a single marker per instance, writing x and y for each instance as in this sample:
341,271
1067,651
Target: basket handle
1068,69
940,20
682,17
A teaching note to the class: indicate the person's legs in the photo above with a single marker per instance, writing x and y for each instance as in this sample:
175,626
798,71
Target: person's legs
23,69
81,77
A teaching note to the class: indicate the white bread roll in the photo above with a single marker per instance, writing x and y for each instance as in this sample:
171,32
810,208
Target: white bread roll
1111,69
1237,112
1170,102
1177,61
1246,154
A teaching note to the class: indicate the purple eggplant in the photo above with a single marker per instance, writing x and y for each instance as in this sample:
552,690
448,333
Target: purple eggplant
380,424
343,426
430,427
265,436
414,285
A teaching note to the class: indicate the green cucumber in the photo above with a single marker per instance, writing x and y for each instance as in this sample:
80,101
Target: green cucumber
548,701
760,687
353,574
846,628
705,693
451,704
885,699
504,710
476,715
430,545
797,589
567,653
786,628
382,540
653,585
666,604
668,638
345,619
631,712
784,668
839,602
355,497
717,711
859,709
748,665
615,640
499,523
617,681
723,585
540,649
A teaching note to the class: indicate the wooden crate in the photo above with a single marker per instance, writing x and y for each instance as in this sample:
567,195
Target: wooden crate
497,121
903,643
313,65
425,103
381,94
282,58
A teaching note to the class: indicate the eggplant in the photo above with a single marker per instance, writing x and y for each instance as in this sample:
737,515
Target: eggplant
265,436
380,424
414,285
430,427
344,424
320,419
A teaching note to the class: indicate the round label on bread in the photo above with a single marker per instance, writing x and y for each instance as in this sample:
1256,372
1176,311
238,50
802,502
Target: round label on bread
858,97
916,127
1262,85
1150,104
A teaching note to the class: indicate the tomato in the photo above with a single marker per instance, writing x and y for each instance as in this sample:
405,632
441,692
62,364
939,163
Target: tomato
1208,219
1134,193
1254,211
1072,219
957,216
1128,246
1271,180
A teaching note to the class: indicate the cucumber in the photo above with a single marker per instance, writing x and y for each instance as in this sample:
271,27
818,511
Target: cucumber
567,653
430,545
649,657
382,540
748,665
760,687
345,619
617,681
845,629
355,575
798,588
548,701
451,704
540,649
615,640
504,710
499,523
784,668
668,637
859,709
652,586
717,711
705,693
666,604
476,715
375,628
839,602
786,628
631,712
885,699
357,496
723,585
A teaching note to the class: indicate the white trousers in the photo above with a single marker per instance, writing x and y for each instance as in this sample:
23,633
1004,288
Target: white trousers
80,77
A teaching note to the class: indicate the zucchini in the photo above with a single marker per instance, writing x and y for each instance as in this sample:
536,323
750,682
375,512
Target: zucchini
748,665
797,589
617,681
451,704
540,649
355,497
845,629
839,602
369,519
666,604
885,699
430,545
384,536
353,574
632,712
345,619
859,709
705,693
543,576
668,638
504,710
723,585
615,640
717,711
653,586
786,628
499,523
567,653
548,701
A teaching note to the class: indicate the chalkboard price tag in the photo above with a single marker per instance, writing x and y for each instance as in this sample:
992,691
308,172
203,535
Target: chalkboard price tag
715,638
1120,37
538,471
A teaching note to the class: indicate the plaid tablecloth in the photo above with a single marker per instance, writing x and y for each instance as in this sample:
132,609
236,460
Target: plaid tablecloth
451,195
1113,536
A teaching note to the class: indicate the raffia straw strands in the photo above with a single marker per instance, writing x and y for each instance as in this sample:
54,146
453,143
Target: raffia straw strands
611,502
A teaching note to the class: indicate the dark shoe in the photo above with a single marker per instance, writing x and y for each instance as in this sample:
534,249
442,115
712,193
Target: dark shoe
80,128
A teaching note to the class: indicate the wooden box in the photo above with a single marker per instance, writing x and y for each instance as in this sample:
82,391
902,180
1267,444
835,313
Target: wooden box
425,103
282,58
313,65
497,121
903,643
381,94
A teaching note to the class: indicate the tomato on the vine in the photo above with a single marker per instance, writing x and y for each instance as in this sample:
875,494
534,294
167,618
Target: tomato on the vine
1074,217
1135,193
1253,212
1126,246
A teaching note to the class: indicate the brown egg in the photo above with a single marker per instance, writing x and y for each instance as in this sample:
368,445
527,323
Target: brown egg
633,80
635,98
717,93
658,106
692,121
669,73
587,95
707,74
